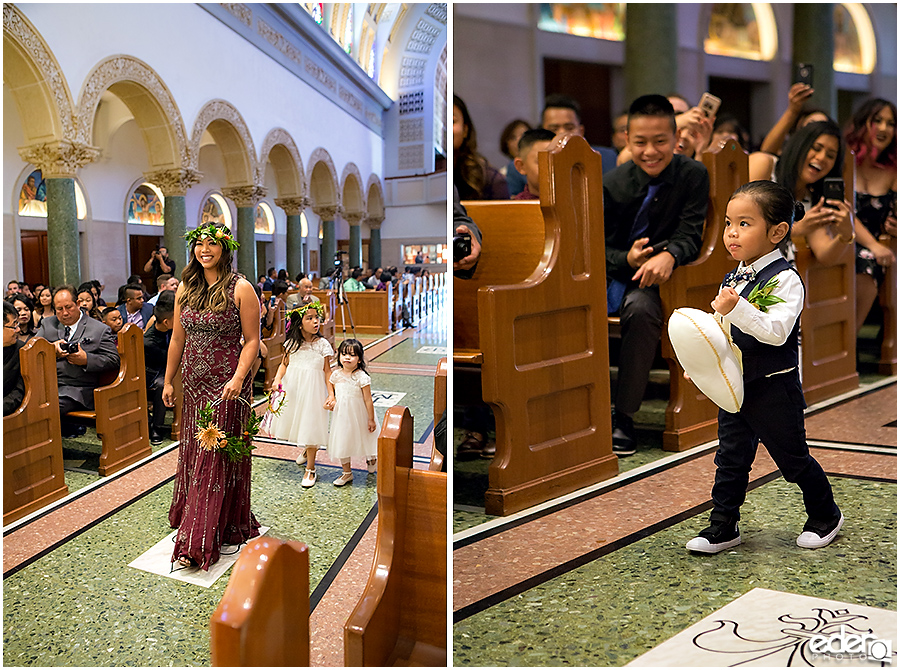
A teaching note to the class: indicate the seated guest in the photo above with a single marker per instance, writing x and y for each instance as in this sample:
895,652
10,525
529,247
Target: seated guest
90,352
25,308
136,279
531,144
353,283
326,279
303,294
283,276
112,317
156,351
472,175
620,131
86,301
654,209
43,305
13,288
372,282
279,288
134,310
98,289
384,280
509,146
13,384
270,279
165,282
562,115
727,127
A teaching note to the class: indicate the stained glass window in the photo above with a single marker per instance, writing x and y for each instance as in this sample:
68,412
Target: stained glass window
601,20
348,30
265,220
370,66
316,10
215,210
742,30
146,205
854,39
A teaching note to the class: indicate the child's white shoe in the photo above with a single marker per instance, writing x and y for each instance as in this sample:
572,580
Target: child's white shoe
818,534
301,459
370,465
309,479
344,479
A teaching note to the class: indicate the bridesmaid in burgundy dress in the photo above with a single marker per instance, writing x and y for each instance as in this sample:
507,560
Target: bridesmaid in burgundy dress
214,309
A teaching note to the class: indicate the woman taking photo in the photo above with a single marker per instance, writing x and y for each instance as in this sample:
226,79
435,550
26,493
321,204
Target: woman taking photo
214,309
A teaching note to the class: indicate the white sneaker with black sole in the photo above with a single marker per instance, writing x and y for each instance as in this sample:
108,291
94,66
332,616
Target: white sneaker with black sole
818,534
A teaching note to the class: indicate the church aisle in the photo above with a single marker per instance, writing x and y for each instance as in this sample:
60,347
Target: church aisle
600,579
70,599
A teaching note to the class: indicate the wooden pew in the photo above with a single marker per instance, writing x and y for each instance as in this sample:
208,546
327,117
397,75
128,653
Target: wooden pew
401,618
120,407
32,442
534,317
887,299
274,346
828,322
691,418
440,406
263,617
371,311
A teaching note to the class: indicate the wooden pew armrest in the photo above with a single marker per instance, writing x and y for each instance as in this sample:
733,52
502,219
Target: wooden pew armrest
468,357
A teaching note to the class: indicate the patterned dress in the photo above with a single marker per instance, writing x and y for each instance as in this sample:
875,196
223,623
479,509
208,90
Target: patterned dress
872,211
211,500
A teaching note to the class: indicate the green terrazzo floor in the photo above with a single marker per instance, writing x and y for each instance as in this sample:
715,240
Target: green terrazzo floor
617,607
407,350
81,605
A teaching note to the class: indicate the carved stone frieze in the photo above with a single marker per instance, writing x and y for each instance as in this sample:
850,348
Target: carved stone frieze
240,11
438,11
59,158
279,41
19,29
292,206
245,196
174,182
127,68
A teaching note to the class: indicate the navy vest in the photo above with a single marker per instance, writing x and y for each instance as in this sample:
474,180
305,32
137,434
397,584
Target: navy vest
764,359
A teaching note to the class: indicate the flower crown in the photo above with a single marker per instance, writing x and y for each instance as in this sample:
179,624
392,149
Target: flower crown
219,235
301,311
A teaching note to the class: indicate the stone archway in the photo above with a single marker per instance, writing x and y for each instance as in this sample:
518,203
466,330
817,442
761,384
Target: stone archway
231,135
148,99
374,198
280,149
323,181
351,191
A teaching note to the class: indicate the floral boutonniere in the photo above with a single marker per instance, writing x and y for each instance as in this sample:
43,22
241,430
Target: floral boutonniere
761,296
235,447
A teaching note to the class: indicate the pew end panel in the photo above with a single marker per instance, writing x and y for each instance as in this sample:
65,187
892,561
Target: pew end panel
440,407
401,618
32,442
691,418
263,617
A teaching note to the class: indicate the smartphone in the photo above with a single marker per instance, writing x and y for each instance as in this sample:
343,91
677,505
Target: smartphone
709,104
805,74
659,246
833,190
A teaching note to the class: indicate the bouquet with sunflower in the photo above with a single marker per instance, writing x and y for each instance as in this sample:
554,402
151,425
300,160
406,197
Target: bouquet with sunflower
235,447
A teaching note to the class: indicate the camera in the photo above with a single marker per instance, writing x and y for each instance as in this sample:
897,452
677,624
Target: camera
805,73
462,246
69,347
337,257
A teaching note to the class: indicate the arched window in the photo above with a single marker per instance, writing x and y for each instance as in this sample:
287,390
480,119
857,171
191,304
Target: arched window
33,197
602,20
215,210
304,225
347,33
743,30
265,220
370,65
316,10
854,39
440,105
145,205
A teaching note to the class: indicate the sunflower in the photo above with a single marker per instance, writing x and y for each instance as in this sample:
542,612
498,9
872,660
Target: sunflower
209,437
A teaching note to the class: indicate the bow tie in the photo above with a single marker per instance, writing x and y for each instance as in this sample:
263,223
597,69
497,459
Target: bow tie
747,274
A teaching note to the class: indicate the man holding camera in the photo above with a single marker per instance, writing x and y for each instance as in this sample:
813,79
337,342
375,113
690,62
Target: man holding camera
159,264
85,349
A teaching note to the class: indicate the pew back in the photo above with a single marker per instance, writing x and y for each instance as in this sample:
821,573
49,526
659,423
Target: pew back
440,406
274,346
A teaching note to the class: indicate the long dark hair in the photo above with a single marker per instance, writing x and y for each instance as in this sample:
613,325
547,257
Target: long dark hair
797,148
355,348
293,335
468,165
776,203
859,134
197,294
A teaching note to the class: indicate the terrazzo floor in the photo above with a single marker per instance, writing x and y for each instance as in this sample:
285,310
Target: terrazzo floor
606,578
69,598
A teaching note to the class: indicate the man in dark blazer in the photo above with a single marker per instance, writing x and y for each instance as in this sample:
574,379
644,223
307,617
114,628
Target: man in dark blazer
134,309
13,384
94,351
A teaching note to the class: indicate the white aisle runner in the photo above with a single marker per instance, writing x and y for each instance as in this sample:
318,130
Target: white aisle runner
157,560
765,628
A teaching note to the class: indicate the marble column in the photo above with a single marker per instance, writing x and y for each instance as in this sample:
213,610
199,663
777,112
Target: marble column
651,49
174,184
374,242
58,161
355,219
329,241
813,42
292,208
246,198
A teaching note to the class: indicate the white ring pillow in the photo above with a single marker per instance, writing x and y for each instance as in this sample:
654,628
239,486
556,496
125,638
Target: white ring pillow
708,356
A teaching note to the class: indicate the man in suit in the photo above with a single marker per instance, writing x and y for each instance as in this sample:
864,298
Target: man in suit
134,310
13,384
93,353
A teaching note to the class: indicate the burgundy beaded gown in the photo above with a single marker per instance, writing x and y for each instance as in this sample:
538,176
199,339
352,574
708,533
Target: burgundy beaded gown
211,500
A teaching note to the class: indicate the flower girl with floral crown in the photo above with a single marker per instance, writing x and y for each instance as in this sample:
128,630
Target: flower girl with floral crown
304,376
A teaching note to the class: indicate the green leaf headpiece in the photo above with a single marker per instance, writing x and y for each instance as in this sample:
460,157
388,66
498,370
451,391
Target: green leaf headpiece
219,235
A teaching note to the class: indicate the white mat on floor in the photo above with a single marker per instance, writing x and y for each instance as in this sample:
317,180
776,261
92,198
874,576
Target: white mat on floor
157,560
774,629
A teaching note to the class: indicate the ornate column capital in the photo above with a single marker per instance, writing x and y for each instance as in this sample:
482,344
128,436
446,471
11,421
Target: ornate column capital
175,181
354,218
60,158
293,206
328,212
245,196
374,222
